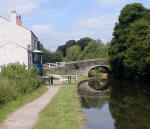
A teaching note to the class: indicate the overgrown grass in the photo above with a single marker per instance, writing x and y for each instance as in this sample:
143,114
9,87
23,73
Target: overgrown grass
16,80
11,106
63,112
48,71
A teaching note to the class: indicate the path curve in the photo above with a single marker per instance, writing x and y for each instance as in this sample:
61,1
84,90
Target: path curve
27,116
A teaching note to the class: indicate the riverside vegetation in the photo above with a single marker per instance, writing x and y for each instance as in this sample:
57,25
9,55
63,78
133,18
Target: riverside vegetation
17,87
129,50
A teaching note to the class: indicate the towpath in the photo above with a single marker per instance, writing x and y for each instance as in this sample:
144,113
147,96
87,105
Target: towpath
26,116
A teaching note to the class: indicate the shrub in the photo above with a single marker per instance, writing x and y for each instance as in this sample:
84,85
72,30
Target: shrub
76,66
16,80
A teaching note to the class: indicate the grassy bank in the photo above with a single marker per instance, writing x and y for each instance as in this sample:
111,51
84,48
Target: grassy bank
11,106
63,112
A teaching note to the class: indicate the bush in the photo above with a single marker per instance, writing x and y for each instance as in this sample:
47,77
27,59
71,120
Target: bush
16,80
76,66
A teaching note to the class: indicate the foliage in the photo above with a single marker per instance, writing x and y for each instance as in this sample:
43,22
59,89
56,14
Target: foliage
62,49
57,57
73,53
7,108
76,66
83,42
95,49
16,80
49,56
129,49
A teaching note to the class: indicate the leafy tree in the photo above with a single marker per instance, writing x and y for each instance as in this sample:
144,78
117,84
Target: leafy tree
47,55
73,53
62,49
70,43
95,49
129,49
57,56
83,42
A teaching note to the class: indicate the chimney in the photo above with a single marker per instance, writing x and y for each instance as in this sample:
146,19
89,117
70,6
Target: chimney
13,17
19,21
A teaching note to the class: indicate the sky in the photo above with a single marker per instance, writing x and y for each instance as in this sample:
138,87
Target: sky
56,21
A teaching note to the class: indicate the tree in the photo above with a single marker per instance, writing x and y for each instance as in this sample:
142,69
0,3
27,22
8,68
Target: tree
70,43
62,49
57,56
47,55
129,49
83,42
95,49
73,53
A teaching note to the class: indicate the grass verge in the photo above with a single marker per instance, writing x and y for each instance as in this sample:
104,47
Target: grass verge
64,110
11,106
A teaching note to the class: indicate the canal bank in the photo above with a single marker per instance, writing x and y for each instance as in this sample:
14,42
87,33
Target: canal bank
128,106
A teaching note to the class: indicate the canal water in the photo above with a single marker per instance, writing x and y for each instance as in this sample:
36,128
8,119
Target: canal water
126,106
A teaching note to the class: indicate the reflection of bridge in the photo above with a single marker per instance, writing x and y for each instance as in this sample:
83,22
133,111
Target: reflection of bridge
79,68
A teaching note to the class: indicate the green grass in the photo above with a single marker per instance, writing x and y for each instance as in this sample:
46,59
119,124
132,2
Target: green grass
6,109
63,112
48,71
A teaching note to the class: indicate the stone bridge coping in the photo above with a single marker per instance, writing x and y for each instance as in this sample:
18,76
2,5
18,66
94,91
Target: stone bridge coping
99,59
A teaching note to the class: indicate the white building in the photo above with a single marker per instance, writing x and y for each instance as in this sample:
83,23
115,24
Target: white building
16,42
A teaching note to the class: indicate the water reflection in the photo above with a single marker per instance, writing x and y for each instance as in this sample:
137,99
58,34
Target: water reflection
98,85
128,107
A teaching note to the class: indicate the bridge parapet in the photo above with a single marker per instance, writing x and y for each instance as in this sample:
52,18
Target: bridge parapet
82,69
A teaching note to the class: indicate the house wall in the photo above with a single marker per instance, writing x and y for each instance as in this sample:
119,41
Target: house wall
14,34
12,54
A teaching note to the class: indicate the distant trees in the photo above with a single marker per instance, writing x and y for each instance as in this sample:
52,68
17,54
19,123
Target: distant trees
85,48
95,49
49,56
129,51
82,43
73,53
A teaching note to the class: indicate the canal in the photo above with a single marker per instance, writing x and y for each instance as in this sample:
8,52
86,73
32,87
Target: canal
126,105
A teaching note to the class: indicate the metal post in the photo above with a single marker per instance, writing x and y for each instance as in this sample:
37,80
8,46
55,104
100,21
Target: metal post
49,80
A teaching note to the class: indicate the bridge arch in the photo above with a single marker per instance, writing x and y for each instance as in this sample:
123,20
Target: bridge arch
105,67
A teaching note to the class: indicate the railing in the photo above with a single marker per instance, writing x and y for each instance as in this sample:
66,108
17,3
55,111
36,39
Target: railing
56,64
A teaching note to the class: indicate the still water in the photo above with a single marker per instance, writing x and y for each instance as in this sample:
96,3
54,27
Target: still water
126,107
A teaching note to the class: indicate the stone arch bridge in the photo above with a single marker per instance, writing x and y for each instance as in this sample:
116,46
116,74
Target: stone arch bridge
80,67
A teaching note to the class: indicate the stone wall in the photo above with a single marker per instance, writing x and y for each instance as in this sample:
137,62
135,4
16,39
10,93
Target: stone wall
83,67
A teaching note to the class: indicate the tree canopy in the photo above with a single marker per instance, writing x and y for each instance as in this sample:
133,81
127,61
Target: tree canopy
73,53
83,42
49,56
129,51
95,49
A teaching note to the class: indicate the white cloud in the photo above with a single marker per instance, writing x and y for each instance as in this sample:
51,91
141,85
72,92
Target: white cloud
22,6
104,22
97,28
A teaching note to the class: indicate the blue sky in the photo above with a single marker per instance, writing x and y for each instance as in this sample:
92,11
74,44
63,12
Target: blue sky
56,21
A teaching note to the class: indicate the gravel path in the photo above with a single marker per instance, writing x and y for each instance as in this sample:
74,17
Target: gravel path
26,116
